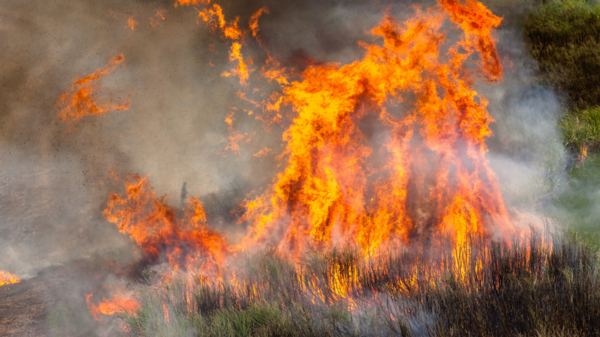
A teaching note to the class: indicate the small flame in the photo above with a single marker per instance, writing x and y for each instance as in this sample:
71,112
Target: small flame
118,303
131,23
213,16
263,152
191,2
166,312
254,20
83,99
582,155
158,18
8,278
154,226
242,68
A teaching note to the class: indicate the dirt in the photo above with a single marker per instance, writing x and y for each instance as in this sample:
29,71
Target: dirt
53,303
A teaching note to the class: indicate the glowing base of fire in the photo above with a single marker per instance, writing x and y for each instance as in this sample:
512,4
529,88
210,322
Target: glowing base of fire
341,276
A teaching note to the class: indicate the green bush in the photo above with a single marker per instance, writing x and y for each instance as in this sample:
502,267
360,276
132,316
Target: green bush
564,38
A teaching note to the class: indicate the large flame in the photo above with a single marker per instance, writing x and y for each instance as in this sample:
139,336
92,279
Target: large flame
432,175
422,172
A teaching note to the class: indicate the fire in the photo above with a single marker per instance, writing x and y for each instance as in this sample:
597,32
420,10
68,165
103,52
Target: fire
83,99
335,189
254,20
263,152
156,228
131,23
190,2
8,278
213,16
157,19
435,177
118,303
422,175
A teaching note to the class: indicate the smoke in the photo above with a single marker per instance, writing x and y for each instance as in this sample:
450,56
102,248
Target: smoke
174,130
526,151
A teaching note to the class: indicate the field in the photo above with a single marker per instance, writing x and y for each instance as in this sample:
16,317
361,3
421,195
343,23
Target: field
169,267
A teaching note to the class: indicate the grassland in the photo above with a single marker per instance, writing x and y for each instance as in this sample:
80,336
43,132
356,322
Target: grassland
529,289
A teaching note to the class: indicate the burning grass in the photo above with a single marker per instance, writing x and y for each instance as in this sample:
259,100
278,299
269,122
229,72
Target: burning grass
529,289
8,278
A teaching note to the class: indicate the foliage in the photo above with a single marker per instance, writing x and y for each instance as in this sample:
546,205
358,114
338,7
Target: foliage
576,207
581,130
564,37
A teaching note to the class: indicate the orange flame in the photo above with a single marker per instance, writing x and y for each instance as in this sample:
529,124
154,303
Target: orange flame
155,227
242,68
333,191
583,150
190,2
254,20
422,172
274,72
263,152
8,278
83,99
157,19
213,16
131,23
118,303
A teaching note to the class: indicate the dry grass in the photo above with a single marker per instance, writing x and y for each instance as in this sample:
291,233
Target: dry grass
526,290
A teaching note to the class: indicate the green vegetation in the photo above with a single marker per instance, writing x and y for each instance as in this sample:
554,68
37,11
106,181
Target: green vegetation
518,291
577,205
581,129
564,38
